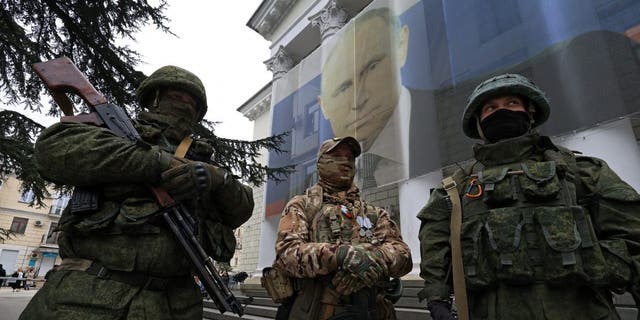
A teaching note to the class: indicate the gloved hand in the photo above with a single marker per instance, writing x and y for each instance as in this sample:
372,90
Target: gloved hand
346,283
192,179
175,162
440,310
362,262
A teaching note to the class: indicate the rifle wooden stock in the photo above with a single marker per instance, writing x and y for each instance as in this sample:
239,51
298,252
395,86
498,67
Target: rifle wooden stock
61,76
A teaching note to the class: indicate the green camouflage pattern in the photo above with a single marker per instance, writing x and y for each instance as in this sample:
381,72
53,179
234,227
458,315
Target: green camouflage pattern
172,76
504,84
123,234
550,240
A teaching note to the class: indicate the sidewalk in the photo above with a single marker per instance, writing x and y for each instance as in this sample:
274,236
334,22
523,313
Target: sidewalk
12,303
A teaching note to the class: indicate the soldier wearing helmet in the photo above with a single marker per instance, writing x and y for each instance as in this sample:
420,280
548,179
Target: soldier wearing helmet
544,233
118,259
338,248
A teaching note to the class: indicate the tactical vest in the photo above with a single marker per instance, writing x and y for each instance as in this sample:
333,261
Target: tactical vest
522,223
330,224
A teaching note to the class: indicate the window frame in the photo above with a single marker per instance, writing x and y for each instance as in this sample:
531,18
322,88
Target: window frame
20,224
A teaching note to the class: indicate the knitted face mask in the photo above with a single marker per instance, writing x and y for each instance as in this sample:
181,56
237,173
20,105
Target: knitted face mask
176,117
336,173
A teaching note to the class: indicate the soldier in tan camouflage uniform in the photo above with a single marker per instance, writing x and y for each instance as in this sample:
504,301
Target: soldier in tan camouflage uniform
337,247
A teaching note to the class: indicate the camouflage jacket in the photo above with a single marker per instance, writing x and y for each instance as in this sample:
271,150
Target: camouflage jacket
122,234
304,251
521,266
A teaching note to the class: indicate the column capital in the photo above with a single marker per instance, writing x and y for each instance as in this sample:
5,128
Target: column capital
330,19
280,63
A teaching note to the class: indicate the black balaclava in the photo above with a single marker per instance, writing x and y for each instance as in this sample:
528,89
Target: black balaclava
504,124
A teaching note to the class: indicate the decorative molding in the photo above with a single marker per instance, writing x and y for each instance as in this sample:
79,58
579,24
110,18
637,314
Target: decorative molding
280,63
330,19
269,15
259,108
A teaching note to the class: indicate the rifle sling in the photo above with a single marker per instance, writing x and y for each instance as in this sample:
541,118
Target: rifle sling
183,147
459,286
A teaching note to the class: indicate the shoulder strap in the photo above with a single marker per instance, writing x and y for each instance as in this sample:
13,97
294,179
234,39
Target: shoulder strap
313,202
459,285
183,147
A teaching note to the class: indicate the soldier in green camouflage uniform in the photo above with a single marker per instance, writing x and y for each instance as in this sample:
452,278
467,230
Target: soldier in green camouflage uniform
335,244
546,233
120,261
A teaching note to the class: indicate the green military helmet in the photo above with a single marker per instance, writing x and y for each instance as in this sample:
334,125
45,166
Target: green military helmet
504,84
172,76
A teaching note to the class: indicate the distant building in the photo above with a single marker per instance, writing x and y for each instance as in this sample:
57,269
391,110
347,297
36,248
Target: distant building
35,243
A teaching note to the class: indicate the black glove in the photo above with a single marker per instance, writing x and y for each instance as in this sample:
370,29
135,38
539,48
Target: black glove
191,180
440,310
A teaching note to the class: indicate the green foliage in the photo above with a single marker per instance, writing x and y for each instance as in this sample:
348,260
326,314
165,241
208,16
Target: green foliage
241,157
5,235
16,156
86,32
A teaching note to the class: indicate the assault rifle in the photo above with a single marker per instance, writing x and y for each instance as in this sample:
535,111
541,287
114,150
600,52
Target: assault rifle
61,77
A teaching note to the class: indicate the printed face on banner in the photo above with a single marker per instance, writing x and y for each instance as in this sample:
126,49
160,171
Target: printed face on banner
407,117
361,76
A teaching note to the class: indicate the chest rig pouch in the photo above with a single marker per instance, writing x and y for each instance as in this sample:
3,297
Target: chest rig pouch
328,224
526,226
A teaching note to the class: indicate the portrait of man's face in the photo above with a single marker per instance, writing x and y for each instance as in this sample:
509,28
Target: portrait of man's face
361,78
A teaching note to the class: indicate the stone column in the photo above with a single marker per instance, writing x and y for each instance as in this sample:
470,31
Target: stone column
280,63
330,19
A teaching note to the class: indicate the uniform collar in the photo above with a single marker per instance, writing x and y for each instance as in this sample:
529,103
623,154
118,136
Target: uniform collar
508,150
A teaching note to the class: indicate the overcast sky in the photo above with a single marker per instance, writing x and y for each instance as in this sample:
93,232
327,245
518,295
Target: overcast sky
213,42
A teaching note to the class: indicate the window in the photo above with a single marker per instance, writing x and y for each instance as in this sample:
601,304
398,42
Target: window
52,236
27,196
59,204
19,225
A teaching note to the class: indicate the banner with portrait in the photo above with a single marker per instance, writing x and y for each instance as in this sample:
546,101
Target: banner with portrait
398,75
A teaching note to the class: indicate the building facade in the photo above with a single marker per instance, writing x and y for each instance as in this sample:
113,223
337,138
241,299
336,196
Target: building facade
396,75
34,242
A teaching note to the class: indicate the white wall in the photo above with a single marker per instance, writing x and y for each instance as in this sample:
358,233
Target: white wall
613,142
413,195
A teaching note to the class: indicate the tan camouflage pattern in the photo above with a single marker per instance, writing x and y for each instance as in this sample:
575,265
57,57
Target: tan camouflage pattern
302,257
314,225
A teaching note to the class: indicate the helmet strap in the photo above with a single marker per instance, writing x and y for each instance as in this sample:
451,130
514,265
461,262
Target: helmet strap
531,111
156,99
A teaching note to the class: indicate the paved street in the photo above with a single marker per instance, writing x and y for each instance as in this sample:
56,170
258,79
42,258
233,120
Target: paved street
12,303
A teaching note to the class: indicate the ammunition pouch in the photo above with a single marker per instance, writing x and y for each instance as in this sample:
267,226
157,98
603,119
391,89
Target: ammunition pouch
528,227
278,285
84,200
